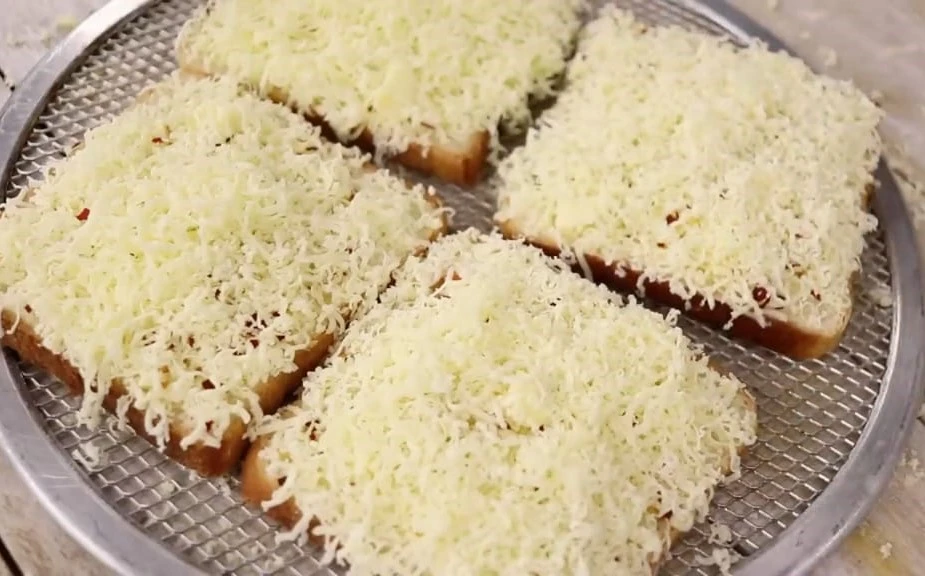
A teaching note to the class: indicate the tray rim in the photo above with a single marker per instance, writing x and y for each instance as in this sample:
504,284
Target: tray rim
71,499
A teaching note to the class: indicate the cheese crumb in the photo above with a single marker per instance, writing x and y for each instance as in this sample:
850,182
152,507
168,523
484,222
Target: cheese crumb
881,296
496,410
221,484
720,534
886,550
722,558
829,56
66,23
165,489
272,564
89,455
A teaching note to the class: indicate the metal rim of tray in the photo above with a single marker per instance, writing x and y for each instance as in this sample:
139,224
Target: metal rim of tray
815,533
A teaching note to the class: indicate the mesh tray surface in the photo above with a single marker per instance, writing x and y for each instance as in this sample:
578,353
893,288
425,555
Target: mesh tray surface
811,414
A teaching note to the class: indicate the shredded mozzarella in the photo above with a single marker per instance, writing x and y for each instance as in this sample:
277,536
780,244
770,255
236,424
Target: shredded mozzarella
165,489
193,245
89,455
720,534
733,173
496,414
722,558
429,72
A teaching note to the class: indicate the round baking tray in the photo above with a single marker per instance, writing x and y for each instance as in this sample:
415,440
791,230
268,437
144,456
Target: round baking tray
831,430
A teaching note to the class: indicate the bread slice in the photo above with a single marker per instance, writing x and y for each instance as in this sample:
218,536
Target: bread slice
195,258
496,410
390,77
258,485
207,460
731,183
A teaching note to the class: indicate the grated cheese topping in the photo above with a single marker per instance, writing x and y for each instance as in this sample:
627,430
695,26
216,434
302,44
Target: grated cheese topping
194,244
89,455
430,72
496,414
735,173
722,558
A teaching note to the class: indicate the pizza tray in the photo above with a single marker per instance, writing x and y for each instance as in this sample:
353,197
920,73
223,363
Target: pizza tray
831,430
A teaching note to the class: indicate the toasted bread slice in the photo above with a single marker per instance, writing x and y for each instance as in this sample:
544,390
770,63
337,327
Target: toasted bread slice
732,183
426,82
496,410
195,258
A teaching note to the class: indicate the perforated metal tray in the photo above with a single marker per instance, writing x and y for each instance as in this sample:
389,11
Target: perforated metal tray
830,431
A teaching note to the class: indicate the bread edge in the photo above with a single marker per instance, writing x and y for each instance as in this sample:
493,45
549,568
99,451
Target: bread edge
207,460
463,167
782,337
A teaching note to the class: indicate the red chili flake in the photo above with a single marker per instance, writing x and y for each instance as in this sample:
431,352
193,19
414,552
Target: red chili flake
190,341
157,140
218,293
208,385
672,217
254,342
280,337
28,309
815,295
761,296
661,245
84,214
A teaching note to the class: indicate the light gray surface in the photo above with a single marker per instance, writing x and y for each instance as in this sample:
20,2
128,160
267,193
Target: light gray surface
865,335
28,28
